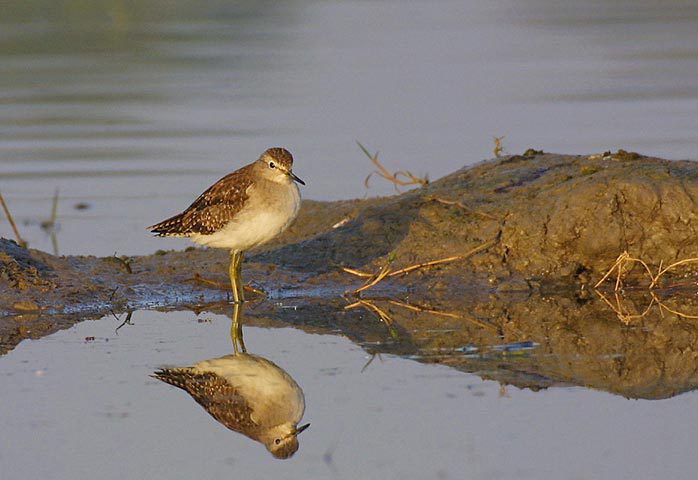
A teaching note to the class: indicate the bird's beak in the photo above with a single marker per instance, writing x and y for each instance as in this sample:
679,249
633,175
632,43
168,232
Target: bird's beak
294,178
302,428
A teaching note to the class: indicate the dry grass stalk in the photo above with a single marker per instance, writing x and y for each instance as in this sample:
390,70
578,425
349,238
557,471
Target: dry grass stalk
402,178
460,205
381,314
371,304
625,262
18,237
385,272
498,149
625,316
197,278
421,309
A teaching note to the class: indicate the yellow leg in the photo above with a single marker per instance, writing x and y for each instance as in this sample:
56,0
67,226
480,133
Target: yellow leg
235,280
236,330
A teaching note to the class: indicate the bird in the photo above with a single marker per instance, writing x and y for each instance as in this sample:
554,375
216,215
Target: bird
247,393
242,210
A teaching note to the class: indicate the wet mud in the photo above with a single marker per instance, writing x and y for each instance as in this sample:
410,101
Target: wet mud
521,310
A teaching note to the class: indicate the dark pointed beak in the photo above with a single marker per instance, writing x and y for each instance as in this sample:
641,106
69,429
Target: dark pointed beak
295,179
302,428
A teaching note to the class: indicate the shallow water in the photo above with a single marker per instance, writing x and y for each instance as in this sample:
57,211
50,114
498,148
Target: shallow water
75,407
135,108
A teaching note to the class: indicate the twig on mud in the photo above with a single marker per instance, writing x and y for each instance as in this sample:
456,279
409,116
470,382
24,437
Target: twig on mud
223,286
125,261
371,304
374,279
624,263
662,271
460,205
621,312
394,178
498,149
18,237
383,316
421,309
663,306
626,317
385,272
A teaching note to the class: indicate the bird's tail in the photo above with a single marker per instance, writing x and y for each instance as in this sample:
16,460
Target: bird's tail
172,227
174,376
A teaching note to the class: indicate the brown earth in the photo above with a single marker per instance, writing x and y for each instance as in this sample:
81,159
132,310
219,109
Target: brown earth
553,224
552,219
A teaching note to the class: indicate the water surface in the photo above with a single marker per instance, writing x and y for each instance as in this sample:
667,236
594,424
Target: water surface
75,407
136,108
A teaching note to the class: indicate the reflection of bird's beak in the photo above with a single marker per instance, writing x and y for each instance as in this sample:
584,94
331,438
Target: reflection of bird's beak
301,428
294,178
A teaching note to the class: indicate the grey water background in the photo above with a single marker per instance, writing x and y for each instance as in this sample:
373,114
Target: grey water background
135,107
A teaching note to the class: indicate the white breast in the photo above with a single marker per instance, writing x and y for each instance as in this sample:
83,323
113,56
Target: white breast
269,211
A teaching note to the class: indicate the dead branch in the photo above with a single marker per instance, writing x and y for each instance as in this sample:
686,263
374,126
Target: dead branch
460,205
18,237
498,149
395,178
384,272
624,263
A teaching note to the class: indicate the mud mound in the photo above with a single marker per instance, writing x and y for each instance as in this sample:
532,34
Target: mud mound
19,270
554,216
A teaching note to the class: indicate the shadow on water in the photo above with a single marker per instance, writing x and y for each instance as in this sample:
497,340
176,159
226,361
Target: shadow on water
246,393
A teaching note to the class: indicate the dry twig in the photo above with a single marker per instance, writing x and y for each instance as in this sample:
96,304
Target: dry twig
498,149
400,178
18,237
382,315
460,205
625,262
371,304
625,316
385,272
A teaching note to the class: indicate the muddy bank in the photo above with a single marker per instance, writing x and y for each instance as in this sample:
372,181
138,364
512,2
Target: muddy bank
521,311
526,341
549,219
529,341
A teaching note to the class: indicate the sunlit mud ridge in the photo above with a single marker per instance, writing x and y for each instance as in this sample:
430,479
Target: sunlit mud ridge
533,223
530,218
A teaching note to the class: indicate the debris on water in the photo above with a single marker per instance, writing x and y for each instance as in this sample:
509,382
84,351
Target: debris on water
515,347
467,349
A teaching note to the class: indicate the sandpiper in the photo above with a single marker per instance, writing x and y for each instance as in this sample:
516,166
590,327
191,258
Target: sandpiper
240,211
247,393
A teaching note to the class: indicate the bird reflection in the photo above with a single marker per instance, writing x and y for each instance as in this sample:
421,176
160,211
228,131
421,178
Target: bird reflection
246,393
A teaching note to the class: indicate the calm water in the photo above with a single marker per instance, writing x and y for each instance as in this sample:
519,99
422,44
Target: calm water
134,108
82,407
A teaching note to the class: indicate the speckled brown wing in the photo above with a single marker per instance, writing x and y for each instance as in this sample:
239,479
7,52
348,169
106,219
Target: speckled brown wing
212,210
218,397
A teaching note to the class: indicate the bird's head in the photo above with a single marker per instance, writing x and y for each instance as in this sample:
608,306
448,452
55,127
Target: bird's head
282,440
276,164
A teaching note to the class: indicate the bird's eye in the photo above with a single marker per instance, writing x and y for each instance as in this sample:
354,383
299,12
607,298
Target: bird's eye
277,441
272,165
